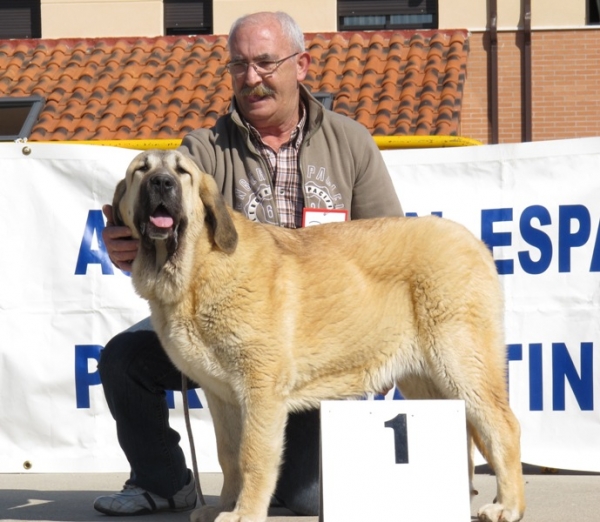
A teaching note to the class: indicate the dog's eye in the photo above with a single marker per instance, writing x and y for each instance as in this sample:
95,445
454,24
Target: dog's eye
181,171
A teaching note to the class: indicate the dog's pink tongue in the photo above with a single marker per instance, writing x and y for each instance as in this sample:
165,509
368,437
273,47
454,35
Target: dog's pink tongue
161,220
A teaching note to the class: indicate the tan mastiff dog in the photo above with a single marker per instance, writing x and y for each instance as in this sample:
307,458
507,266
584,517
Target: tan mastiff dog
270,320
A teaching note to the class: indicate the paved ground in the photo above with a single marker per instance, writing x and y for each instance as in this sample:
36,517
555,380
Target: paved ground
552,497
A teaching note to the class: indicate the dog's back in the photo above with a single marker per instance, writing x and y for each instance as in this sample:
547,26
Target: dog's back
368,302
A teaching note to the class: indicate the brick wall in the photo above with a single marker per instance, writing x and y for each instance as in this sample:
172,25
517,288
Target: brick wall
565,86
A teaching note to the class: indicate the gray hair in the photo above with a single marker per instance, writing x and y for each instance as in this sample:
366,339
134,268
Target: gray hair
288,25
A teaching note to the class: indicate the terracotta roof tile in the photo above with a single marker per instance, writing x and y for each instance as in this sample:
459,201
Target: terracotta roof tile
393,82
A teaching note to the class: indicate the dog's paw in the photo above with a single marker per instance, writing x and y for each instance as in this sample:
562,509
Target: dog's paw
232,516
205,514
229,517
498,513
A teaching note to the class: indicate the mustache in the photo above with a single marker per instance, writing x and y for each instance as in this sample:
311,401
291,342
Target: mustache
258,90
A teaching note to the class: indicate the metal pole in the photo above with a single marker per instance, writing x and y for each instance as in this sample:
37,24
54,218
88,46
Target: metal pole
527,132
493,69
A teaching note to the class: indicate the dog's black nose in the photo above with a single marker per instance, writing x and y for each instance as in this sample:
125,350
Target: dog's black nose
163,183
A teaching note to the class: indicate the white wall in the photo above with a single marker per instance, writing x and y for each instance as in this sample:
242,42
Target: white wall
101,18
472,14
312,15
98,18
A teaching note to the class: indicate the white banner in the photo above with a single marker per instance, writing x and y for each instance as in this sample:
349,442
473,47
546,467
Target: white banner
537,206
61,299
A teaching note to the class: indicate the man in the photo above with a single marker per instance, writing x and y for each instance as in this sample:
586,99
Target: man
276,153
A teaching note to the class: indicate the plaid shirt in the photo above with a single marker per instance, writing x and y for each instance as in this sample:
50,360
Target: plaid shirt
283,166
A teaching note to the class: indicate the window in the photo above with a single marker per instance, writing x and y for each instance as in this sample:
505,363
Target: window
18,116
593,12
354,15
20,19
188,17
326,99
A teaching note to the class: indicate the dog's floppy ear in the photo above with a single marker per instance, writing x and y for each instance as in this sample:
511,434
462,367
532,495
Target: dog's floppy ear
119,193
224,233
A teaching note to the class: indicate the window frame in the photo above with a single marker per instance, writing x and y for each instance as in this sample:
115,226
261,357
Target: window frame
34,21
176,12
387,9
35,104
325,98
593,12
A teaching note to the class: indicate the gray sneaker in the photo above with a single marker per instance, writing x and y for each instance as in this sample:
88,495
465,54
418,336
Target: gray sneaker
133,500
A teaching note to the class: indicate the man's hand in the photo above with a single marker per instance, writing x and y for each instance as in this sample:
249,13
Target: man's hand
121,247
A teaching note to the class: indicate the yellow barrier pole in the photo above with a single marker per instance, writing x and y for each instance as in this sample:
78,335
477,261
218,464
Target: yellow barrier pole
383,142
422,142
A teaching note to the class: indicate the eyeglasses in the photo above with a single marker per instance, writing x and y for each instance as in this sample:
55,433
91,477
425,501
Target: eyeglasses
262,68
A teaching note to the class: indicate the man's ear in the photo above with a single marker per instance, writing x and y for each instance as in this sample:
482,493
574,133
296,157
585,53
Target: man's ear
303,65
225,235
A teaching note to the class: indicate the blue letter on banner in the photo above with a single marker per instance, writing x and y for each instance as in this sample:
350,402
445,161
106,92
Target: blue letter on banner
536,378
87,255
84,379
536,238
493,239
568,239
563,370
193,400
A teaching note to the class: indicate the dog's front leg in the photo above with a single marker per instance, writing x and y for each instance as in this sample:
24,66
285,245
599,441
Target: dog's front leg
264,419
227,421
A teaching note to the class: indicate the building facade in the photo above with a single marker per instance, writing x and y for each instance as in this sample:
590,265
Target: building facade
532,70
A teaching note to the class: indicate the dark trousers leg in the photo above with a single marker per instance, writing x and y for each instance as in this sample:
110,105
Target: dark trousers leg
135,373
298,485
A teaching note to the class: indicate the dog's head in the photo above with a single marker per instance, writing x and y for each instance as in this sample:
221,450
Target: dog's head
162,194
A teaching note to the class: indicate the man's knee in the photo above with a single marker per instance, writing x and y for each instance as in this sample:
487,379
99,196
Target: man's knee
113,352
111,357
121,352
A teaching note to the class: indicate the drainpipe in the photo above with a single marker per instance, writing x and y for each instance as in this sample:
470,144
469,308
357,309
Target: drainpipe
493,69
527,123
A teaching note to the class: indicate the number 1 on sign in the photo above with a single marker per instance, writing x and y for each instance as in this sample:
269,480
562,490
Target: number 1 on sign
398,424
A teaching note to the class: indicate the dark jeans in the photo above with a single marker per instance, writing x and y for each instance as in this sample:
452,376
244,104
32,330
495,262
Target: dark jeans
135,373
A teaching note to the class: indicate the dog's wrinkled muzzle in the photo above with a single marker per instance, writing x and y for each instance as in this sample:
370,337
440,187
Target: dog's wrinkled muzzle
160,206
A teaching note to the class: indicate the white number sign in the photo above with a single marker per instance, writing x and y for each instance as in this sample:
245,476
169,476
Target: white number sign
394,460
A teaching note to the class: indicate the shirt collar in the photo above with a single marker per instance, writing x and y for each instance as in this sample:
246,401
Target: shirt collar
297,134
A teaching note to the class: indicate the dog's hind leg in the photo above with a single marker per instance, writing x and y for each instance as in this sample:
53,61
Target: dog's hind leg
478,377
471,433
497,434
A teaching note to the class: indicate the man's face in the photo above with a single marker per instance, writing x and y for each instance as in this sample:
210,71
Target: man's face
271,99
